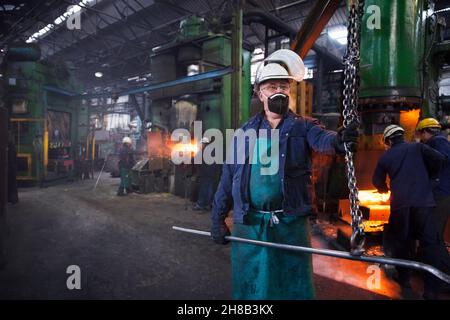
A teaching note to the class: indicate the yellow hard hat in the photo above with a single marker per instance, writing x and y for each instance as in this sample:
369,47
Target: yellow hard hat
428,123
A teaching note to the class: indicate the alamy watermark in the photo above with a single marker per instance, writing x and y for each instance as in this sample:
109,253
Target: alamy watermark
374,20
374,280
74,280
73,21
240,146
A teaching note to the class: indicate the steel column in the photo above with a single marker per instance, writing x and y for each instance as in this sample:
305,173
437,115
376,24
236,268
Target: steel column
236,63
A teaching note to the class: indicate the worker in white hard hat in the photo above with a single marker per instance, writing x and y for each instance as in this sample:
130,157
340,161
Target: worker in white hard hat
274,207
126,162
409,167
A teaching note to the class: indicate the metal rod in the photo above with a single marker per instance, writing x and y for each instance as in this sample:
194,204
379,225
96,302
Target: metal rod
101,171
332,253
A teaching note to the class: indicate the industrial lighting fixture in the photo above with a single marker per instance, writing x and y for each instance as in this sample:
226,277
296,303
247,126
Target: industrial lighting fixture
193,69
339,34
98,74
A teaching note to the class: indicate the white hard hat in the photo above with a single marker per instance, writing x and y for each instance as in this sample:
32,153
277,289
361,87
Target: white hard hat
272,71
392,130
126,140
288,59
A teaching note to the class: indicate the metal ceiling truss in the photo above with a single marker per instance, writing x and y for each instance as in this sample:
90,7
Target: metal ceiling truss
120,34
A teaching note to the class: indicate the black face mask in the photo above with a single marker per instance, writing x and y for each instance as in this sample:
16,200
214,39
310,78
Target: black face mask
278,103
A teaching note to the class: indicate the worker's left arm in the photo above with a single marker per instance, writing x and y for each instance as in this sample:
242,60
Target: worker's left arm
326,141
318,138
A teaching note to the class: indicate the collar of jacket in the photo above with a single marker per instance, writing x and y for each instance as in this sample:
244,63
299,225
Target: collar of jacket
289,120
437,136
397,143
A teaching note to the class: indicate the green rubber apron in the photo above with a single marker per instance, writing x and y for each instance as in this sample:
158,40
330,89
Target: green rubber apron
268,273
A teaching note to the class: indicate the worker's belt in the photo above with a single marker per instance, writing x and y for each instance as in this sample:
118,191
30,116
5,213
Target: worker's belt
273,215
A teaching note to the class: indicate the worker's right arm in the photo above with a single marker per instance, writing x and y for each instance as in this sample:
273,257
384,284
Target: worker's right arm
223,199
222,204
379,177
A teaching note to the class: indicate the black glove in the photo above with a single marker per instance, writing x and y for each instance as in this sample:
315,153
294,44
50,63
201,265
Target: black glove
219,232
383,189
348,135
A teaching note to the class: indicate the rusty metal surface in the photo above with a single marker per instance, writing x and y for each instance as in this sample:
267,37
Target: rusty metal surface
313,26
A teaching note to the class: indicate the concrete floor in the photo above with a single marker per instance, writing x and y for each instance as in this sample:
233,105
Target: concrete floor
126,249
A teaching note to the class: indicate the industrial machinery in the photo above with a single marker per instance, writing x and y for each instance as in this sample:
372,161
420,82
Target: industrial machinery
151,174
399,71
184,94
49,122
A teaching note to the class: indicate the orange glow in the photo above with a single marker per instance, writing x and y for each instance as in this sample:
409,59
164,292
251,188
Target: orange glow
378,204
374,225
192,148
372,197
409,120
379,207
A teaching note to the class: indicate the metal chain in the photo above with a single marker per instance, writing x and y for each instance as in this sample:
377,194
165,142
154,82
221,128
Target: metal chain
350,113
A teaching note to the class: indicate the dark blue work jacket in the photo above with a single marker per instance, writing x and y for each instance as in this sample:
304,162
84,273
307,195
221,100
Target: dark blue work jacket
409,167
297,137
441,144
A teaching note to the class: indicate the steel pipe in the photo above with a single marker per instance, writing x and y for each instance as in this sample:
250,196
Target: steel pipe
332,253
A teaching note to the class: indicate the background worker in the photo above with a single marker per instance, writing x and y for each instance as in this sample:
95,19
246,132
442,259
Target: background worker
410,167
273,207
429,132
126,162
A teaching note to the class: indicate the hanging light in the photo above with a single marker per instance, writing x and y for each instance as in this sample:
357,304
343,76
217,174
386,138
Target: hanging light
98,74
339,34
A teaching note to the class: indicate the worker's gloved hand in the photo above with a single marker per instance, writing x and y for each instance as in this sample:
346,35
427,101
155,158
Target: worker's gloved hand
219,231
383,190
348,135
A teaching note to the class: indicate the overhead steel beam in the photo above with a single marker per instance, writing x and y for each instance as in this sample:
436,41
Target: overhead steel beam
275,23
176,7
313,25
290,5
21,25
111,18
60,90
201,76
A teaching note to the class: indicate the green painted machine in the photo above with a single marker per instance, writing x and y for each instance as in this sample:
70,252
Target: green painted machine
196,51
399,71
391,55
49,123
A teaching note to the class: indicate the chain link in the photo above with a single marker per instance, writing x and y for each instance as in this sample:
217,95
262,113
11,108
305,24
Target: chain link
350,113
